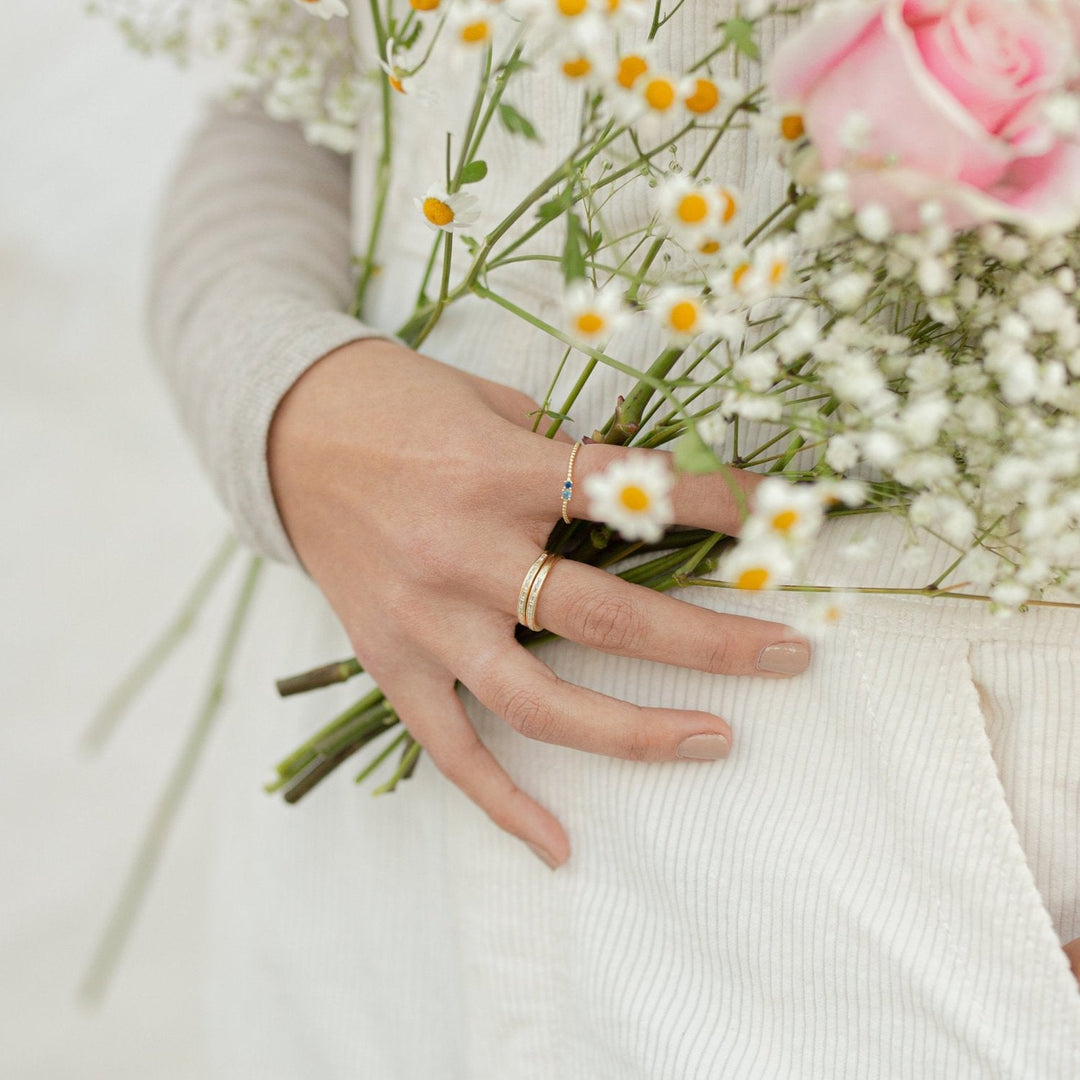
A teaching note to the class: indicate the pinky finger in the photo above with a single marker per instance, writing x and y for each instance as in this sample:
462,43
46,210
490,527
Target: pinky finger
456,749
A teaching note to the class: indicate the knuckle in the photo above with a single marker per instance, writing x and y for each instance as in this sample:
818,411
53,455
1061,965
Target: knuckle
612,623
637,745
718,654
529,714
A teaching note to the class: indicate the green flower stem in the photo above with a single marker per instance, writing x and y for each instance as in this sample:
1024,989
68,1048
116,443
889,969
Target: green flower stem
604,181
161,648
383,175
649,379
504,72
639,397
467,147
571,398
338,672
307,751
929,592
373,765
435,313
405,768
376,720
409,757
319,771
130,902
545,405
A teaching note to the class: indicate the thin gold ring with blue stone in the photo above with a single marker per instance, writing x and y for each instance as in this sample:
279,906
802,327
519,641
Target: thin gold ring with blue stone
568,484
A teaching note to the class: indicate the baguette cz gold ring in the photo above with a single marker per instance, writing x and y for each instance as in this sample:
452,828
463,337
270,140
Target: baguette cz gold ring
530,589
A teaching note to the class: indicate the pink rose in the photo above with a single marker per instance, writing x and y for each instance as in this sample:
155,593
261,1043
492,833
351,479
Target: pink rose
939,100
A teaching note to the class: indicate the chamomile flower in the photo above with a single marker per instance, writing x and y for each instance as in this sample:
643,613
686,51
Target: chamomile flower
325,9
563,23
783,511
702,96
689,211
760,564
681,312
593,315
447,212
629,68
469,24
633,496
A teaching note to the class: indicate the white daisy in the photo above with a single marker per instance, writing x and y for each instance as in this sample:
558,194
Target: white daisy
469,24
681,312
784,511
691,212
593,315
760,564
633,496
448,212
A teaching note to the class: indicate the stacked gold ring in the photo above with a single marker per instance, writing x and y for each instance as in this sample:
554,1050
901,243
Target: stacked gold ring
530,589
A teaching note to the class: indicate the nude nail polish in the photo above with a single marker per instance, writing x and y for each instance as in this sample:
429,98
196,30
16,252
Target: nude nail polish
705,747
784,658
542,855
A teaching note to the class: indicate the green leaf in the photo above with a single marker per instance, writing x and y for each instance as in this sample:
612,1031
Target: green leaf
515,123
573,259
474,171
550,210
740,34
694,455
515,63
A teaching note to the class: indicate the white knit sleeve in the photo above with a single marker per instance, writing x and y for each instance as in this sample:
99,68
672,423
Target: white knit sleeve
250,285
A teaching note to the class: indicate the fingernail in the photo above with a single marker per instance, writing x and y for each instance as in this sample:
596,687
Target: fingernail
707,747
784,658
545,857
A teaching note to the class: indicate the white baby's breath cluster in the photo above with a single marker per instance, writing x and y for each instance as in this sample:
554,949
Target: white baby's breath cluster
295,57
945,367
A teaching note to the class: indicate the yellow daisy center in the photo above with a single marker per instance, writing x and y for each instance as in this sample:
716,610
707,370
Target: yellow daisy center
423,5
571,8
785,521
475,33
634,498
739,273
730,206
754,577
396,83
660,94
612,6
577,68
631,68
589,322
709,247
437,212
693,208
777,272
705,98
684,316
791,126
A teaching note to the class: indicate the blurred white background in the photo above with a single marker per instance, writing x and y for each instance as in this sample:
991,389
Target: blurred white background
106,520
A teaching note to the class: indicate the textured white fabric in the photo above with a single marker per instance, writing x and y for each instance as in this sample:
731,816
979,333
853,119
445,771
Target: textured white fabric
875,884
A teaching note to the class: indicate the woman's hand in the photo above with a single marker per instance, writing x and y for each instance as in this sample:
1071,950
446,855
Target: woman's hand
417,496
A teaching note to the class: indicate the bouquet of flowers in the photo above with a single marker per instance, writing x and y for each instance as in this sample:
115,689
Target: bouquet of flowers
899,334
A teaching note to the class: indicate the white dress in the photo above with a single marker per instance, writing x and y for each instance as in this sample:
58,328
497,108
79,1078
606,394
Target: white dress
875,884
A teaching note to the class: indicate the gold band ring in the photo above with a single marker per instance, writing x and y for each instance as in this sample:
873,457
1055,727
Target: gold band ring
530,589
568,484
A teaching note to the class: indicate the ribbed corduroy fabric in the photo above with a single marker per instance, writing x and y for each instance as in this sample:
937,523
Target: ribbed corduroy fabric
874,885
